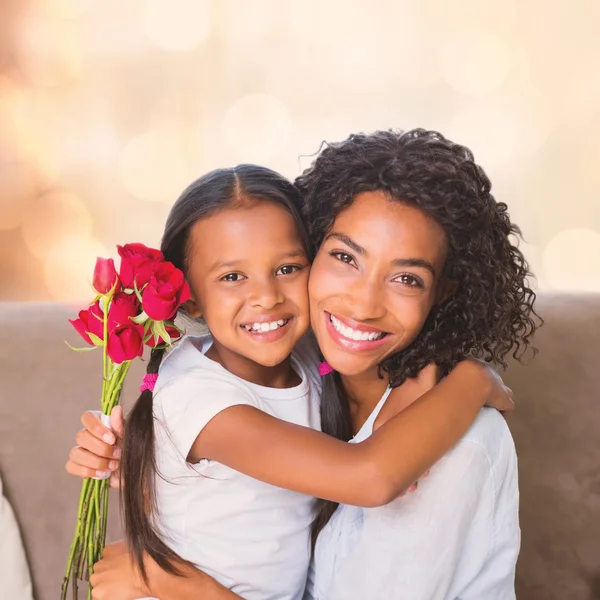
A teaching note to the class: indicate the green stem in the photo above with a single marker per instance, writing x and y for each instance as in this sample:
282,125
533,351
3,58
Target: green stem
76,538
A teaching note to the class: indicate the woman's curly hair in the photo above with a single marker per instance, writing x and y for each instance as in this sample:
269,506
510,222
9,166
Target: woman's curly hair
491,312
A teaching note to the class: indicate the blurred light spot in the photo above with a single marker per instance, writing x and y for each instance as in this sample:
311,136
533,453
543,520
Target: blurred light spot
153,166
51,218
535,115
50,53
490,133
177,24
452,14
69,267
65,9
572,260
256,127
475,62
27,128
244,22
17,188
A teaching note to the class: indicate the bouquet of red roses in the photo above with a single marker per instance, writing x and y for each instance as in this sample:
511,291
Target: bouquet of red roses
132,309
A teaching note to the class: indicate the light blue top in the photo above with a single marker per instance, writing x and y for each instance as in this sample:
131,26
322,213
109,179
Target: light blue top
456,538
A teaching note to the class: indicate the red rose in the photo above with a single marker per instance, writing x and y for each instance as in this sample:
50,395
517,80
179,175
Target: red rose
165,292
122,307
125,343
90,321
173,333
105,275
137,263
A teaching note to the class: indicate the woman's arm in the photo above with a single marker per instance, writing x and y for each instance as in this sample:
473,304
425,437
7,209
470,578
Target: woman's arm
116,577
371,473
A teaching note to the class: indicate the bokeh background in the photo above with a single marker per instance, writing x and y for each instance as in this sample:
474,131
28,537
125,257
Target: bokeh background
108,109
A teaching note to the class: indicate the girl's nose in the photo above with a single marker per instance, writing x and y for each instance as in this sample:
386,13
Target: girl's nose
266,294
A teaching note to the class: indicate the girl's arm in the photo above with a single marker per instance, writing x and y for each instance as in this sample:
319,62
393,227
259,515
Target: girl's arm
370,473
116,577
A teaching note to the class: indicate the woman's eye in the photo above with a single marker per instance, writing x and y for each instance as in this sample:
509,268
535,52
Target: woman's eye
288,269
409,280
232,277
343,257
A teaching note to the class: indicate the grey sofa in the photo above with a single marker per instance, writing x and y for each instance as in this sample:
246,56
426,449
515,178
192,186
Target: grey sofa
45,387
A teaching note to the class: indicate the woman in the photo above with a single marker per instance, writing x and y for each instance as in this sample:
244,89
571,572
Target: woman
412,247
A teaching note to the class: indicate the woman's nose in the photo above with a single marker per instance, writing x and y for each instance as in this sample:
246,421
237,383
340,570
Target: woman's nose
365,300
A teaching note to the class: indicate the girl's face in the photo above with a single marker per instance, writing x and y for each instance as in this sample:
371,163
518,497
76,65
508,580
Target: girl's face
248,273
374,281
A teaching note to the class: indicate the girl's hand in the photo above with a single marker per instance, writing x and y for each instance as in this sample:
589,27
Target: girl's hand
500,397
98,448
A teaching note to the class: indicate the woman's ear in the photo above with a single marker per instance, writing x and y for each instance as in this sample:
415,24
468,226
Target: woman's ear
446,289
192,309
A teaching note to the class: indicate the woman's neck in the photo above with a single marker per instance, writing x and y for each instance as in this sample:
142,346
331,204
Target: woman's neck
363,392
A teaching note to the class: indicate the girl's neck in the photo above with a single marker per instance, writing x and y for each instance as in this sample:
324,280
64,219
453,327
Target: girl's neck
279,376
363,392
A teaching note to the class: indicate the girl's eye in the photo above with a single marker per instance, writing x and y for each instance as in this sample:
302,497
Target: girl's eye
288,269
409,281
232,277
342,257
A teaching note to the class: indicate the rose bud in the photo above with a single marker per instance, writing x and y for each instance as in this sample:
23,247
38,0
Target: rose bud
138,263
90,321
125,343
122,307
165,292
105,275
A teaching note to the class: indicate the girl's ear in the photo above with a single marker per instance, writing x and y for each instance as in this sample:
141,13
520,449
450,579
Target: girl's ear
192,309
446,288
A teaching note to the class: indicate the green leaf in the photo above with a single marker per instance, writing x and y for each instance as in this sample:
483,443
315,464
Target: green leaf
172,324
137,292
80,349
95,339
141,318
158,327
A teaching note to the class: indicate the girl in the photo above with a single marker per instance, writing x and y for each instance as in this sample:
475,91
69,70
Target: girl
373,344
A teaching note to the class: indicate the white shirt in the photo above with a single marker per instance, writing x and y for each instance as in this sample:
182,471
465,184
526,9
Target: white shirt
250,536
456,537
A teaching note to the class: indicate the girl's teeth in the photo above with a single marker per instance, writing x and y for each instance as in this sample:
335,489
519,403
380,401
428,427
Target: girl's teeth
264,327
354,334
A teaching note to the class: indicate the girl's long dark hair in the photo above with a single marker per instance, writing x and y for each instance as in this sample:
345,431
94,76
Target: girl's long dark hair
490,315
218,190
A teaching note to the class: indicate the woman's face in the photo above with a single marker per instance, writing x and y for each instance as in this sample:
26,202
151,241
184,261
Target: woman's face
374,281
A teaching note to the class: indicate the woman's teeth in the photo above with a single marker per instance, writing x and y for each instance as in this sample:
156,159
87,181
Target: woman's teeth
264,327
354,334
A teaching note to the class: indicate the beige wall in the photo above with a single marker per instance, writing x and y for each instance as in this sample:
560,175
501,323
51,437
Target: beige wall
108,109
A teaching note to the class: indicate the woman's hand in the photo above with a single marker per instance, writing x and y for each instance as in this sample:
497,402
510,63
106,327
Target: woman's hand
98,448
116,577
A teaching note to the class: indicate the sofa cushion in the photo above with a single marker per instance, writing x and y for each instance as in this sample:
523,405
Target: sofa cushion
14,573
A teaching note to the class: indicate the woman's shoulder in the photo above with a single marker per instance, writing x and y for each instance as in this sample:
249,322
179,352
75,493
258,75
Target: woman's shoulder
489,443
